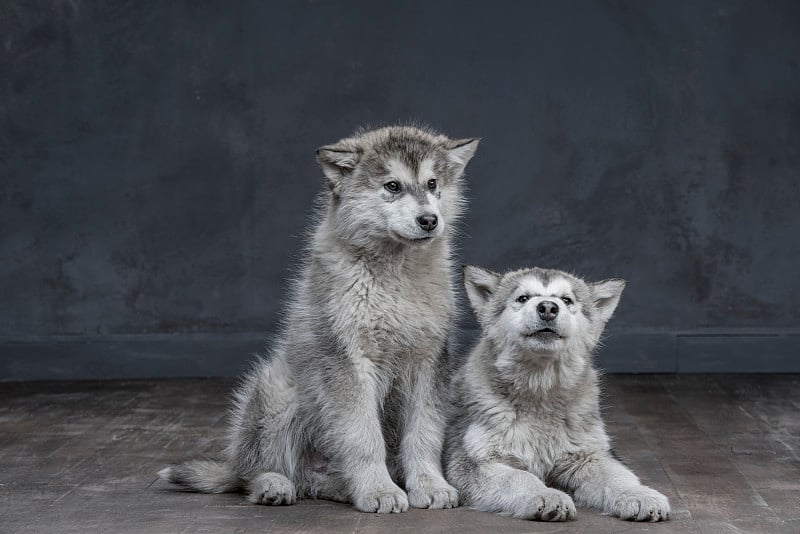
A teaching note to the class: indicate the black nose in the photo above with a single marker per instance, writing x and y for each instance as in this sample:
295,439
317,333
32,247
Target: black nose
548,310
428,221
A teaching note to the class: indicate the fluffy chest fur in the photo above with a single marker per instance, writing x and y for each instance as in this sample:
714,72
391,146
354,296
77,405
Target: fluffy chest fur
523,440
530,430
396,308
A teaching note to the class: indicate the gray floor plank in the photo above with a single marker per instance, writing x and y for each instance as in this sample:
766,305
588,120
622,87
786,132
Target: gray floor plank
81,457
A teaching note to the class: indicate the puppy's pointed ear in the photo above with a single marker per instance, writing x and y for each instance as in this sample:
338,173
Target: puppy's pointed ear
337,161
480,284
460,151
606,296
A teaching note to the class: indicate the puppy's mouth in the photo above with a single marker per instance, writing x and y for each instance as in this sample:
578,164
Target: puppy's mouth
415,240
544,334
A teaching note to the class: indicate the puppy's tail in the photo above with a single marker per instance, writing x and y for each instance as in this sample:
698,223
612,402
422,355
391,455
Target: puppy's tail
204,476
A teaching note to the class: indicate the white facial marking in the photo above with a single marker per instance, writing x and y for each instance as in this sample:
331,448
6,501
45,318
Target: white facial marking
533,287
425,171
400,172
558,288
403,209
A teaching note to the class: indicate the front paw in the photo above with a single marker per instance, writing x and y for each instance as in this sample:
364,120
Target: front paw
433,495
642,504
382,500
551,505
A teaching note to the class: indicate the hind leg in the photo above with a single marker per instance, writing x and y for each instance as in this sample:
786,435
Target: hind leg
272,489
331,487
262,450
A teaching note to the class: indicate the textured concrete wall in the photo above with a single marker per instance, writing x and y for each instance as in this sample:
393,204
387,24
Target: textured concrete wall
157,158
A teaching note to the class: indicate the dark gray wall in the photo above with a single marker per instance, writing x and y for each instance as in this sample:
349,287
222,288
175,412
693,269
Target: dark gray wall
157,161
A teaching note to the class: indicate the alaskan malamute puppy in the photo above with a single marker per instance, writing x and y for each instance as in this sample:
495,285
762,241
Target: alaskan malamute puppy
350,401
528,416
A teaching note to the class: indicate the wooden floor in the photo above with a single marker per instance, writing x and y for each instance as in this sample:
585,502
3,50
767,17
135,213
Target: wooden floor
82,457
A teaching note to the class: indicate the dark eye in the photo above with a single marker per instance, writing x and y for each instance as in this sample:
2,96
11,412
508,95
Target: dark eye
567,301
432,184
522,299
392,187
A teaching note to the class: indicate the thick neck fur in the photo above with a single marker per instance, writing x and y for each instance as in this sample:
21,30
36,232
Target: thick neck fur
531,376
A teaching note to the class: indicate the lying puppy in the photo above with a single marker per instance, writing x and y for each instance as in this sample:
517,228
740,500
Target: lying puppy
528,415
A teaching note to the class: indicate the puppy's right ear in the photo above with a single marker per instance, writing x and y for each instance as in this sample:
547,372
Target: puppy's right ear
480,284
460,151
337,161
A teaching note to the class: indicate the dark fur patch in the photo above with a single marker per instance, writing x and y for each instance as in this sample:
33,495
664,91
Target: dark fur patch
410,150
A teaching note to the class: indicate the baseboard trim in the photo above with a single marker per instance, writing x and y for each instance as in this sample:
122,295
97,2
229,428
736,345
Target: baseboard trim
199,355
130,356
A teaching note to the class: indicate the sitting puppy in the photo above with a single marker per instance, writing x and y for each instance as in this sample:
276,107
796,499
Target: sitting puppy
350,401
528,414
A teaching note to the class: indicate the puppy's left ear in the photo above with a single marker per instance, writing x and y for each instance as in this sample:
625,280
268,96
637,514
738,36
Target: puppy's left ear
460,151
606,296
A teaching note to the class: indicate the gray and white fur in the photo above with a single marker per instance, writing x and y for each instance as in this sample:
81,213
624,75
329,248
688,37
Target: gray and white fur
527,428
349,404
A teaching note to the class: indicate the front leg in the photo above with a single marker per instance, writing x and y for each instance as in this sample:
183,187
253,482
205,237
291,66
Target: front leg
598,480
497,487
351,435
421,444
